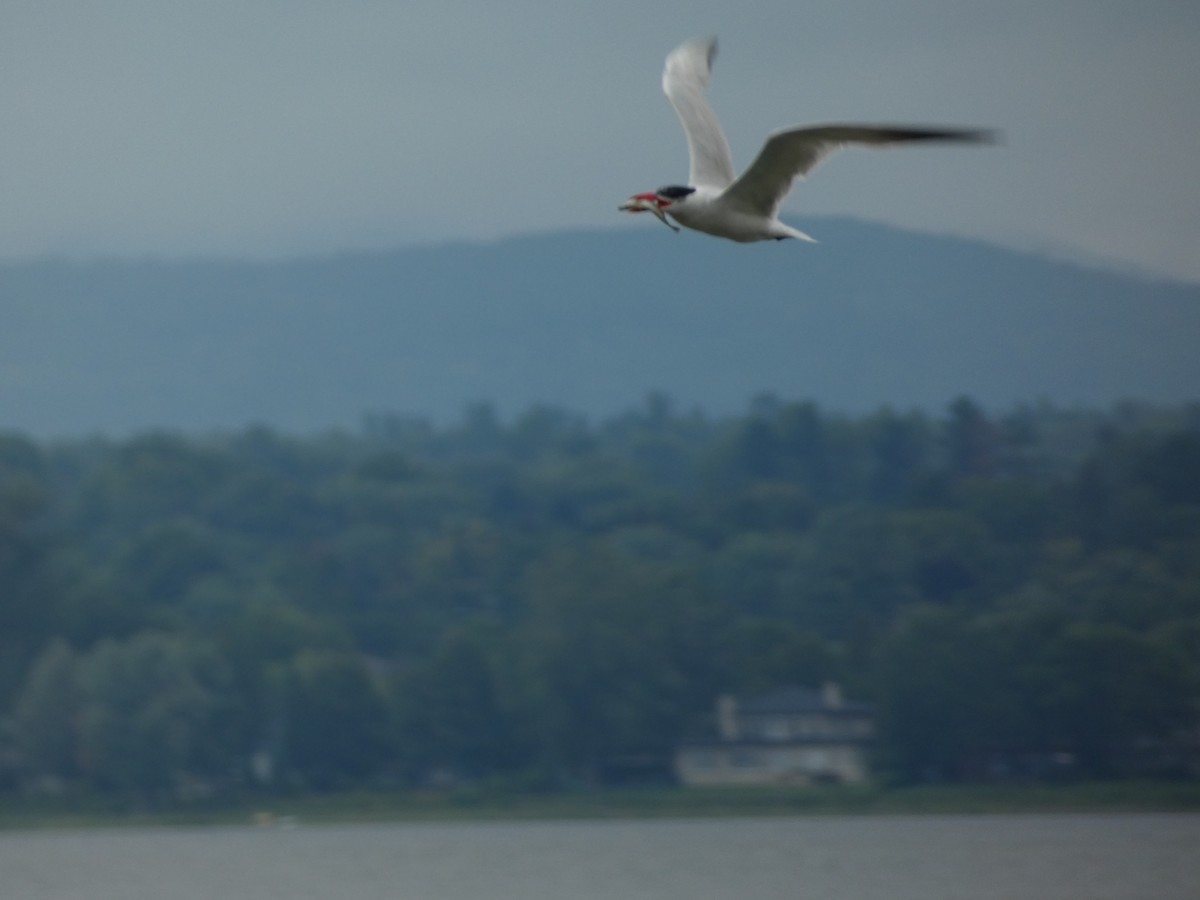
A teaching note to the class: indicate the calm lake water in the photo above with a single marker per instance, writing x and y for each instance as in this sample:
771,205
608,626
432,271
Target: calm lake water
1035,857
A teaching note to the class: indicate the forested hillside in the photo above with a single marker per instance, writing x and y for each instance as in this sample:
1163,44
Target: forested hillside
544,598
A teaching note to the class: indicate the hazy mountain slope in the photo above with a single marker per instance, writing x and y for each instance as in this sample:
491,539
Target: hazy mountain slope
591,321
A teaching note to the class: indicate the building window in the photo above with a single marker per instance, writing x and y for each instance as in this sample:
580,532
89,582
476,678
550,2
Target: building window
818,761
744,759
775,729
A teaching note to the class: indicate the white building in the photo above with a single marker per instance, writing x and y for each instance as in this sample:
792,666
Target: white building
788,736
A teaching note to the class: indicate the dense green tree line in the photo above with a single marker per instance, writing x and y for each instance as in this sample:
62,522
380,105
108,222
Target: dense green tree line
550,598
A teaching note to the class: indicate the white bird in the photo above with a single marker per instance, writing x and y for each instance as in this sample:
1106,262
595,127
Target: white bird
746,208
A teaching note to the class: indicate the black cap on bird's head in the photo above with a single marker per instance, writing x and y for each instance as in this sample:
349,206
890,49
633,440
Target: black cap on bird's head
657,202
675,192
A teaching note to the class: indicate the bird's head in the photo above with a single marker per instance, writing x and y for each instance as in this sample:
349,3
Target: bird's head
645,202
658,202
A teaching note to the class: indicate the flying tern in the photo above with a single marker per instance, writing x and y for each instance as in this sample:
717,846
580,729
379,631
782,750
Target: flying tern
745,208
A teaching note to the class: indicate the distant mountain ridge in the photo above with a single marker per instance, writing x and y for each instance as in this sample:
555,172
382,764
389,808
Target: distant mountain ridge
590,321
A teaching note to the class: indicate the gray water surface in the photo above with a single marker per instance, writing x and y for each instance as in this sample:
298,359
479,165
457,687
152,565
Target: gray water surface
1030,857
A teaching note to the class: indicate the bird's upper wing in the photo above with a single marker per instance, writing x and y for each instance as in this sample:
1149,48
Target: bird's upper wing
685,76
794,152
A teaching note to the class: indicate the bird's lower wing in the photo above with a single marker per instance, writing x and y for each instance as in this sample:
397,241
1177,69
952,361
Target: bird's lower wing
793,153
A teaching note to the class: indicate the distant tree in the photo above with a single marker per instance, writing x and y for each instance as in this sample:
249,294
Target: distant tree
760,653
1171,466
858,571
47,714
763,506
971,440
557,594
923,696
149,479
157,711
1115,689
164,560
28,606
334,721
454,710
900,449
482,433
946,555
617,650
762,575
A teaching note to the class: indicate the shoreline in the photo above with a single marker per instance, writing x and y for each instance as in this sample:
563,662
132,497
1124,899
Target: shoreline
480,804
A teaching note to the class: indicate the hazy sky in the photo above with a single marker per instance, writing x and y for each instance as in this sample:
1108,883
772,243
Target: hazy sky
281,127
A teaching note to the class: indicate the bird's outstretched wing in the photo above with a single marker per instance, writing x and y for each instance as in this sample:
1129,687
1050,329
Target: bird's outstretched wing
685,76
794,152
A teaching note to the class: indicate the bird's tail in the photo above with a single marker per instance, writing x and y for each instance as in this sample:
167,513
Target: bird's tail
783,232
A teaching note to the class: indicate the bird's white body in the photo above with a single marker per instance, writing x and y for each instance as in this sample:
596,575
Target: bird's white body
705,211
745,208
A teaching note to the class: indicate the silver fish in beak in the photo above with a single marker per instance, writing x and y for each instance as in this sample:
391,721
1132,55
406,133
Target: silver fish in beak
651,203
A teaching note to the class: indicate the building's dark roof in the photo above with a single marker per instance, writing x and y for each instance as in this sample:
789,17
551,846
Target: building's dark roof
761,743
794,700
785,701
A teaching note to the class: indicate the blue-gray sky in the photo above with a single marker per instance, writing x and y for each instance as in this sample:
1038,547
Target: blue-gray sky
282,127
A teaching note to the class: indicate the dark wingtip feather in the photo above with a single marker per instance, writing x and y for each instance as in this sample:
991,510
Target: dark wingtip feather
963,135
